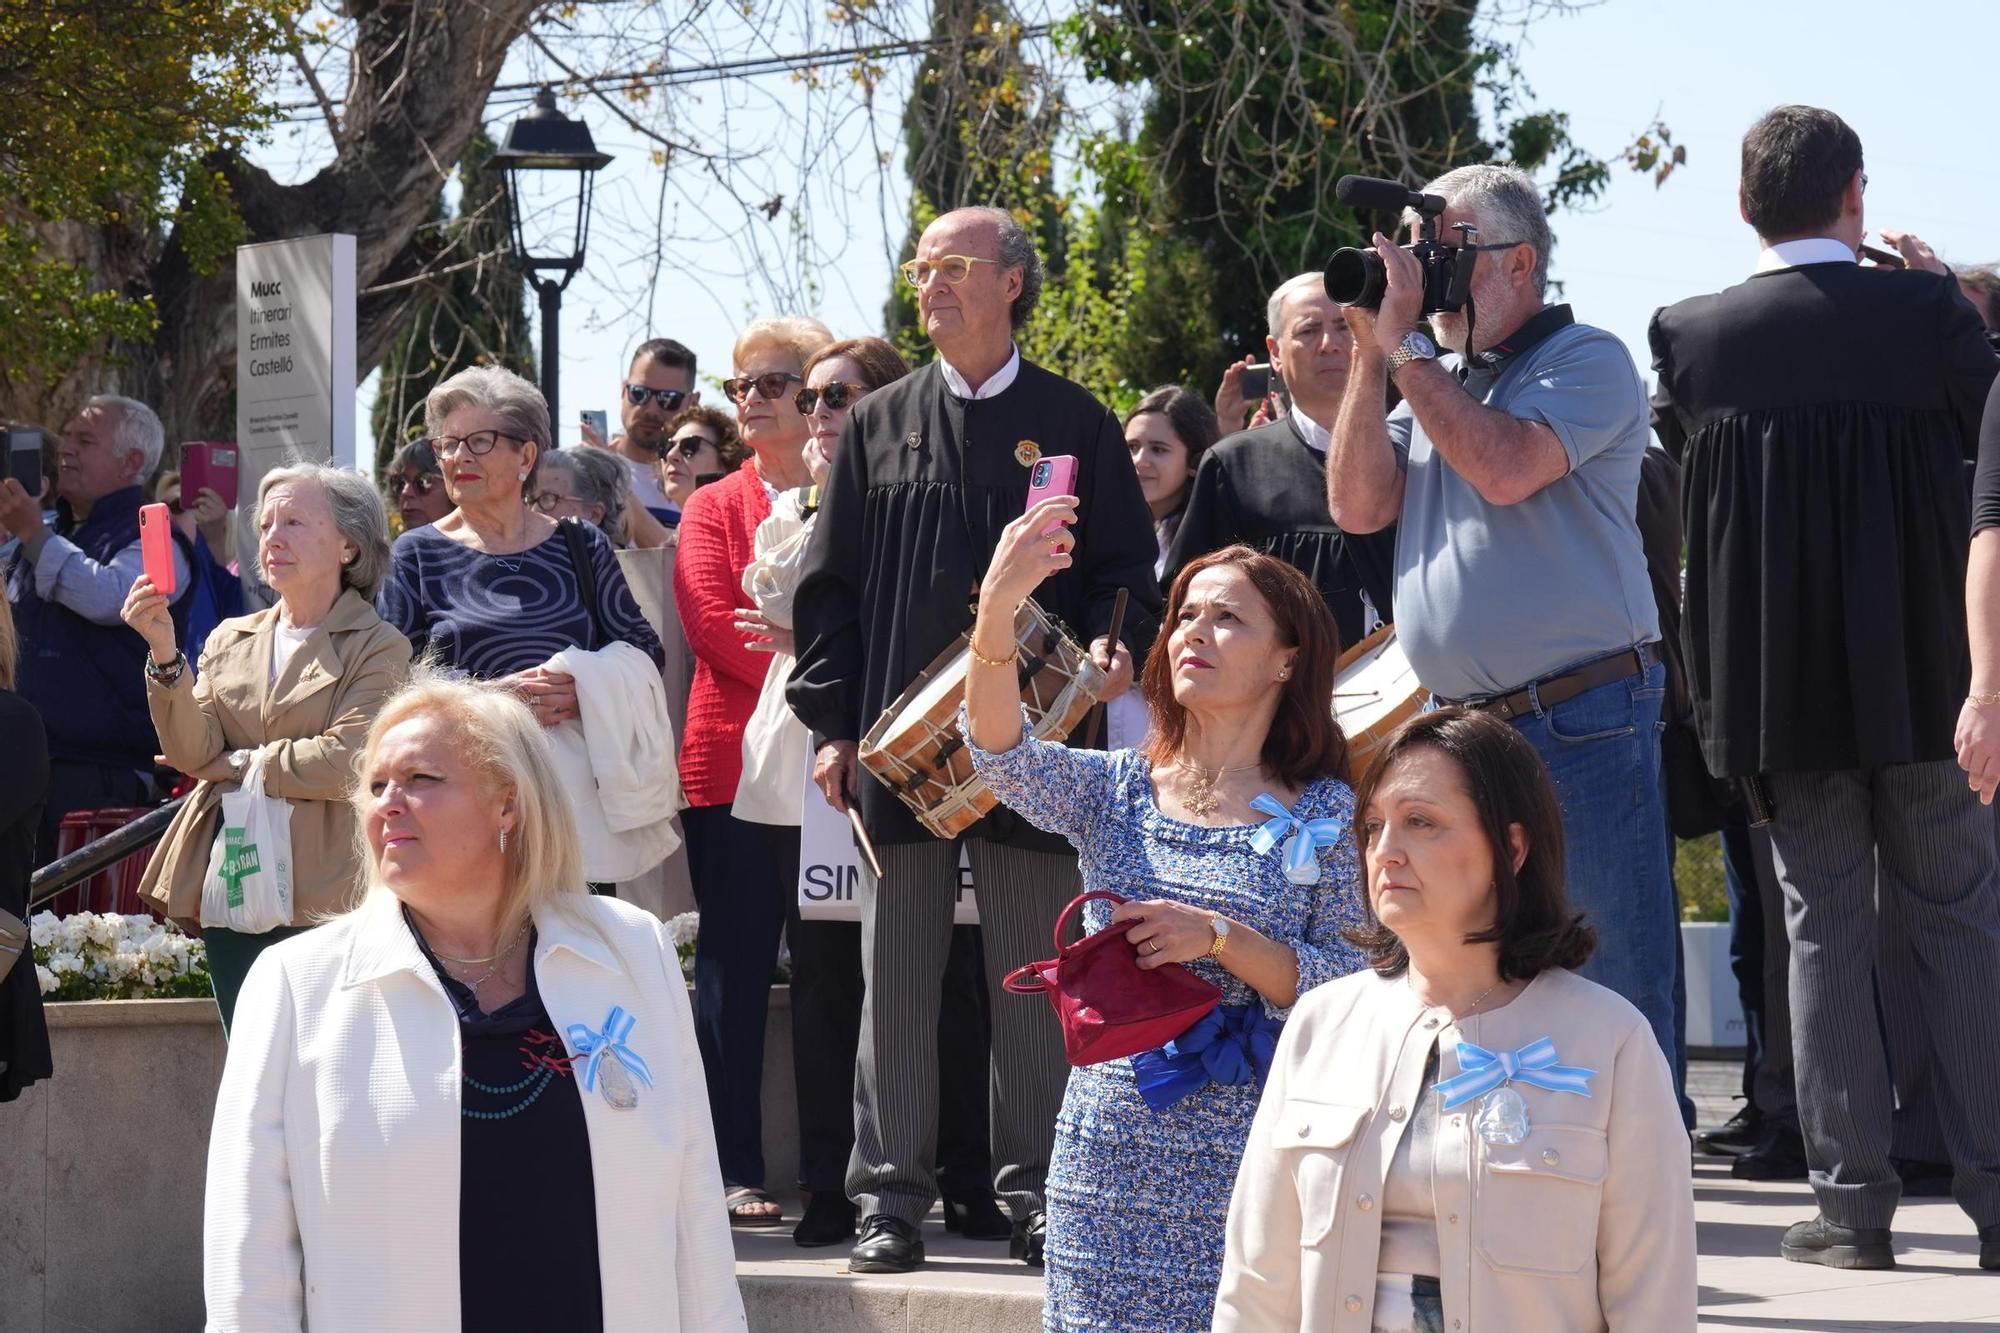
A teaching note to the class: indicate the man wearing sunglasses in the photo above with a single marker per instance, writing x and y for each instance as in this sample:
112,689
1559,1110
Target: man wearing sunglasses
659,384
928,472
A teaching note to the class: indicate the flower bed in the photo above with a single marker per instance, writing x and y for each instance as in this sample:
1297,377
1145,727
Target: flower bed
108,956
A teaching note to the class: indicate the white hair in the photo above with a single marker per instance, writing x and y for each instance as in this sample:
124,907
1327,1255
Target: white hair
138,431
1276,309
357,515
1506,207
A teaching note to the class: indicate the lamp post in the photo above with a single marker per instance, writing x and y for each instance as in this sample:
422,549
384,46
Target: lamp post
544,208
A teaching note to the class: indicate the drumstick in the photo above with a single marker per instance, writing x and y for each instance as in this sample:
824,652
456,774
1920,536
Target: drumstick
1095,726
862,840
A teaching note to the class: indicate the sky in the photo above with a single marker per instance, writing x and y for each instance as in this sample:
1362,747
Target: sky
1907,79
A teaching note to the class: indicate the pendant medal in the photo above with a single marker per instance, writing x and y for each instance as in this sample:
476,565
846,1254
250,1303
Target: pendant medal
1502,1117
619,1092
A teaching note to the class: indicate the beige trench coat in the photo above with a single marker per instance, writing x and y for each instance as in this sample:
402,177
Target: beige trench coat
1587,1225
311,723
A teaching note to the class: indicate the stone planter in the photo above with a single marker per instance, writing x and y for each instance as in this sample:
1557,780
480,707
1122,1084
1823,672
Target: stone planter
1714,1012
102,1168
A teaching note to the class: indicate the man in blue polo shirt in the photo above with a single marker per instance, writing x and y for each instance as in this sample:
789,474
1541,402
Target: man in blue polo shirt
81,667
1520,579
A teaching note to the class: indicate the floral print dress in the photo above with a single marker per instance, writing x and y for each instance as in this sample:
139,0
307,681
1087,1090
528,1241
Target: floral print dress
1137,1199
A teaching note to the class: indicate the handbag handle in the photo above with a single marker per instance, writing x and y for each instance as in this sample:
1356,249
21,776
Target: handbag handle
1029,980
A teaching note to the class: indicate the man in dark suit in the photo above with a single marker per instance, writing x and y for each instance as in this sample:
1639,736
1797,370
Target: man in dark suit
1823,413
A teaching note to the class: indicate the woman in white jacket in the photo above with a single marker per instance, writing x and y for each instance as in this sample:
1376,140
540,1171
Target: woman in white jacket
469,1101
1469,1136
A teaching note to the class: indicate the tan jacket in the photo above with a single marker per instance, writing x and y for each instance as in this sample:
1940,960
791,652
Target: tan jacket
1587,1225
311,724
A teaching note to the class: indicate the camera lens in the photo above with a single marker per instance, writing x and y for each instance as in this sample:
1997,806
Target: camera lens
1356,277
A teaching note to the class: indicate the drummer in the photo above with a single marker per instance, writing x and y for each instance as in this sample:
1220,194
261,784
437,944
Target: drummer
928,473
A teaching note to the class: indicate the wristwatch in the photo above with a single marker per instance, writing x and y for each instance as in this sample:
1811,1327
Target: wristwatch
1416,346
1220,925
237,759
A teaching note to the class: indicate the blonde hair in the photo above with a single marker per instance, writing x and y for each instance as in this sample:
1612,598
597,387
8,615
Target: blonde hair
796,335
10,646
493,732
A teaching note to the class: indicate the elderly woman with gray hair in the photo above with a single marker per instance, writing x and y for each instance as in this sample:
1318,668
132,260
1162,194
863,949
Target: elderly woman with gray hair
296,684
591,486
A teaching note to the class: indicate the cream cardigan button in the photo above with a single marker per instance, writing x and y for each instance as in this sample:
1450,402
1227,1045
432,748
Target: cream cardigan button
1304,1129
1550,1157
1453,1219
1354,1305
1397,1113
1365,1202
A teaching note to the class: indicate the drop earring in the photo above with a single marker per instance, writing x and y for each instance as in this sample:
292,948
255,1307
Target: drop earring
503,840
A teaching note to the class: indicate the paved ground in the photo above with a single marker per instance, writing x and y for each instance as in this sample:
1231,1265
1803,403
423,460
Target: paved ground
1745,1286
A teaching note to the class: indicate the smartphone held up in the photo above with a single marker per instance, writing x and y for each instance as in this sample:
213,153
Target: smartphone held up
1051,477
24,457
156,548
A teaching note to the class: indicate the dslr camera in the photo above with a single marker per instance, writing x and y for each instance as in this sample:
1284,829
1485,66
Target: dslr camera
1357,277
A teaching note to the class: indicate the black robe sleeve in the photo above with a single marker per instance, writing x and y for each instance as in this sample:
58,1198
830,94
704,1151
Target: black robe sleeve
1970,362
825,688
1986,481
1667,424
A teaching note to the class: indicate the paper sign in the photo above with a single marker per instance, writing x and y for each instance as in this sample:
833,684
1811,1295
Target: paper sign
830,866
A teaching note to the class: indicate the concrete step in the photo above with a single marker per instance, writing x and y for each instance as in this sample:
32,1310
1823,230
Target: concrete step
964,1285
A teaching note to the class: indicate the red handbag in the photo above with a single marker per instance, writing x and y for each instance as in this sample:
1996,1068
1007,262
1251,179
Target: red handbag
1109,1006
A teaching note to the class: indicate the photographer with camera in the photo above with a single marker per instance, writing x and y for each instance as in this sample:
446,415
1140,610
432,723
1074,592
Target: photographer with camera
1520,580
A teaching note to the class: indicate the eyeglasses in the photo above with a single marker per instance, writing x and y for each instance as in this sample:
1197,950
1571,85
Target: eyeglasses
669,400
837,396
423,484
549,501
954,269
480,442
770,385
687,446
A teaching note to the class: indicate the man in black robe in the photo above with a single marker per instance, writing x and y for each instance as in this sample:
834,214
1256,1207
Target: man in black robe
1266,487
929,470
1823,413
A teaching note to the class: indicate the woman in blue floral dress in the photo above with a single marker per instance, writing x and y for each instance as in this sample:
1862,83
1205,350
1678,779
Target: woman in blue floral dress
1228,833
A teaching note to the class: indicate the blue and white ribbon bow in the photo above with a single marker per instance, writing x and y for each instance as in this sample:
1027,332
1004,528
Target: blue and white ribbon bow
610,1041
1307,837
1483,1070
1232,1045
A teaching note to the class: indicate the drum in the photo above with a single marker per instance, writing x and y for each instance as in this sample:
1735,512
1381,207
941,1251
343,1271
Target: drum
914,748
1375,690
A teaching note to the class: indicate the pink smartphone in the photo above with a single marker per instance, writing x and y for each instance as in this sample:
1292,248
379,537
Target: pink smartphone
1051,476
209,465
156,547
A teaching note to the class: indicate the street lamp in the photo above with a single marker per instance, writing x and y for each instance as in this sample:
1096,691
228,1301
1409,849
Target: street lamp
550,214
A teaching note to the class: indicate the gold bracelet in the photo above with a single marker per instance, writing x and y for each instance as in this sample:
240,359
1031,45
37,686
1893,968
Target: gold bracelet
1012,656
1982,700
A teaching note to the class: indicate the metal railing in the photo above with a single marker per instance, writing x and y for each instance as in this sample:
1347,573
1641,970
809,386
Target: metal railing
95,857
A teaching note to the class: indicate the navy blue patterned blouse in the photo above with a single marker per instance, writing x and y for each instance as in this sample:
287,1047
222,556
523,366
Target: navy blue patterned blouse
493,615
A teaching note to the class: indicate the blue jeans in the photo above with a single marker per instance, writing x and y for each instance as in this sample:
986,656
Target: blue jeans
1602,748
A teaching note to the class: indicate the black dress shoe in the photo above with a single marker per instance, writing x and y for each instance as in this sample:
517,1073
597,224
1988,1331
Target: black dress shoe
887,1245
1822,1242
1923,1180
1026,1242
977,1218
1989,1247
1734,1136
829,1220
1779,1155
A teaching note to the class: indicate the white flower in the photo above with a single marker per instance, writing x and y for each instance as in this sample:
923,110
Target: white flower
62,961
683,929
46,979
44,930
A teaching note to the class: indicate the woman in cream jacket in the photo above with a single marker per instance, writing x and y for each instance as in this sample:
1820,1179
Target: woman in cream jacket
474,1101
1470,1136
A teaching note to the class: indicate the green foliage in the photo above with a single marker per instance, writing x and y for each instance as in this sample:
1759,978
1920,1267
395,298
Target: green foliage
115,114
1698,875
474,311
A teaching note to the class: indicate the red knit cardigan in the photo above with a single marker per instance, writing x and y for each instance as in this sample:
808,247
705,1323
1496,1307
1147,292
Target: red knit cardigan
716,532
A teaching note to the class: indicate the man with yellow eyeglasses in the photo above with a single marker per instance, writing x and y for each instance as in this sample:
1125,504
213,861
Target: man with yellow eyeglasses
928,472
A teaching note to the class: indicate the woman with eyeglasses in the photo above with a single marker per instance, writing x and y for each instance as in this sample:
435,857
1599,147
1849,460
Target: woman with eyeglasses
702,445
736,880
495,588
588,485
416,487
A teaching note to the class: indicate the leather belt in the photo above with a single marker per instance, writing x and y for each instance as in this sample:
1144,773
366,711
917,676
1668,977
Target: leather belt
1553,690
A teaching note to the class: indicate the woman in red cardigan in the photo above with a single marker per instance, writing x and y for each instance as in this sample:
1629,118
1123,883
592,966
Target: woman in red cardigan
736,886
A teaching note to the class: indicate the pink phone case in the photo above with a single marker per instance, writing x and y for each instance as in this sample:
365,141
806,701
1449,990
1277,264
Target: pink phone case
156,547
210,465
1055,475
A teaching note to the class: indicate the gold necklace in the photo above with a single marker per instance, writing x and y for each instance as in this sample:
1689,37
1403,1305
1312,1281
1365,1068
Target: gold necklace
1200,800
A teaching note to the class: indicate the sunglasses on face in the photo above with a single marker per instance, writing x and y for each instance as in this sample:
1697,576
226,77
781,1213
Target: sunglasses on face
480,442
954,269
669,400
690,445
769,385
836,396
422,484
